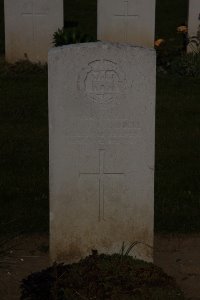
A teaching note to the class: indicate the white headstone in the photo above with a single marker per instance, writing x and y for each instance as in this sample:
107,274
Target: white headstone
126,21
101,114
194,21
29,28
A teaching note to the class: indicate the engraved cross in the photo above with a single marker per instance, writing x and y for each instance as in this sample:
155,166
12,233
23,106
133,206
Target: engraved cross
101,176
126,16
31,13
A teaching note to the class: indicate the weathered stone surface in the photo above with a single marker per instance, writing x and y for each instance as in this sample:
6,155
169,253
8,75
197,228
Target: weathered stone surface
194,23
127,21
101,120
29,28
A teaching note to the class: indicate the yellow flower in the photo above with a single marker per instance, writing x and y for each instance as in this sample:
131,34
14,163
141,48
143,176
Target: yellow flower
158,42
182,29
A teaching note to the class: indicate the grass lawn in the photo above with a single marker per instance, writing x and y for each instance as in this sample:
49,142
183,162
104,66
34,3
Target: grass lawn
24,136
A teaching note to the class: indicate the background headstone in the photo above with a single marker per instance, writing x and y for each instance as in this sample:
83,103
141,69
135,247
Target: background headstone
194,21
126,21
29,28
101,112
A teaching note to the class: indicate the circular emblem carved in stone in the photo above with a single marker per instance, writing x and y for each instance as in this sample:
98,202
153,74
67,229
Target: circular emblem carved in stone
102,81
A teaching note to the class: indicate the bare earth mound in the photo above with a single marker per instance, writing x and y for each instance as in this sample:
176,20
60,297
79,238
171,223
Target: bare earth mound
178,255
101,277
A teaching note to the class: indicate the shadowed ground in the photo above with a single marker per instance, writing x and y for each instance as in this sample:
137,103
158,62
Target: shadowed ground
177,255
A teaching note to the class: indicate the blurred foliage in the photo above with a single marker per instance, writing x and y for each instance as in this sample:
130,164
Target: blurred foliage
70,36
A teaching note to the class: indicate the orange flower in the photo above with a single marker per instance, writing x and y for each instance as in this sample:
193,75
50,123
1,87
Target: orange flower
182,29
158,42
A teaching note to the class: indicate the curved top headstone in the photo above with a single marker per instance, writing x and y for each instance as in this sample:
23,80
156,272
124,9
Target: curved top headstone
101,120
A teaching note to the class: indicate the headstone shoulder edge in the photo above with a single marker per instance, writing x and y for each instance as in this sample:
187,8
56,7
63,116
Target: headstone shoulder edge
56,50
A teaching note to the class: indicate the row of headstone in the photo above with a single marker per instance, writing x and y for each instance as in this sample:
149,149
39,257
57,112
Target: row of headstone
30,24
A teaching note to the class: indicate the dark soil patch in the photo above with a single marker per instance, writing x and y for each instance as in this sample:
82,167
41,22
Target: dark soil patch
101,277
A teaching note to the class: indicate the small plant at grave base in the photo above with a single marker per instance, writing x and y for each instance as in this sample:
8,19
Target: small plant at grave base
66,36
126,251
101,277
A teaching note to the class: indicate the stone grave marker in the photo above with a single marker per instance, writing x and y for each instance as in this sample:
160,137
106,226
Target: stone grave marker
126,21
101,122
194,22
29,28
